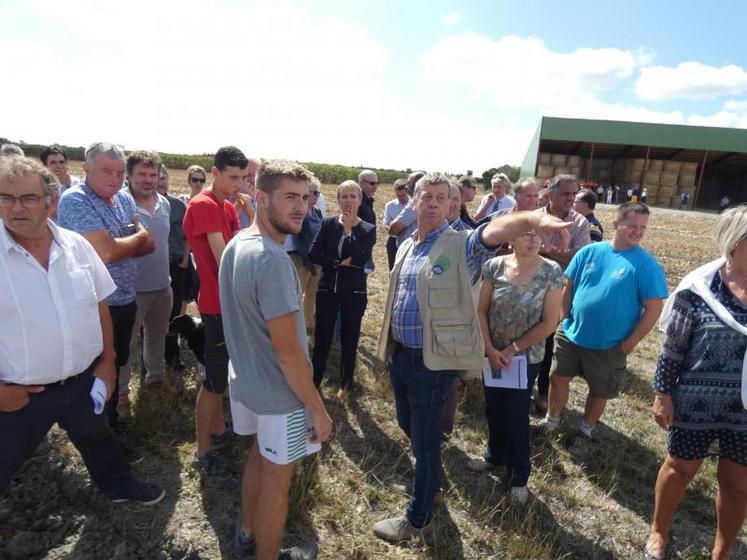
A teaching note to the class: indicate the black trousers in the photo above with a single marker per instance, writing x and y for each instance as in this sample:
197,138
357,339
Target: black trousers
123,318
351,306
70,406
178,275
391,251
543,377
507,412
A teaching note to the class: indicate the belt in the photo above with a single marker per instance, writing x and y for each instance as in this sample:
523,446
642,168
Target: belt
72,378
398,346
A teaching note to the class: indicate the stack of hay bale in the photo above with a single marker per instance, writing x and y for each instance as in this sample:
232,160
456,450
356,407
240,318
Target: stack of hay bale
665,180
550,165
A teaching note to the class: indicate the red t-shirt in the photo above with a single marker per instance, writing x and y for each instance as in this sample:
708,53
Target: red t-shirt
206,215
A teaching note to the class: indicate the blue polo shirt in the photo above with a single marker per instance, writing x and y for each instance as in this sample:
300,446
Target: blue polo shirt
609,287
81,210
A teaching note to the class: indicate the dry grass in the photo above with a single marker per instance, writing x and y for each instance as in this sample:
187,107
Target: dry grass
597,509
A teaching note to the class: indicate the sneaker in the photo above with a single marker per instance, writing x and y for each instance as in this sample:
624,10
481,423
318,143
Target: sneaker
220,441
212,469
478,465
519,495
243,543
308,551
138,491
398,529
123,407
547,425
133,456
407,488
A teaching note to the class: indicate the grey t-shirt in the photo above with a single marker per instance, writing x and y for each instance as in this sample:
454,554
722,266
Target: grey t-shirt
258,282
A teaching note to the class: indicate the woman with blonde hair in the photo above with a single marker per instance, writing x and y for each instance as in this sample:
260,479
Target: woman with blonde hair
342,247
196,179
701,388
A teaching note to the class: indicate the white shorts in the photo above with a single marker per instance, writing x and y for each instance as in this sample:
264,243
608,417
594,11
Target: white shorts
281,438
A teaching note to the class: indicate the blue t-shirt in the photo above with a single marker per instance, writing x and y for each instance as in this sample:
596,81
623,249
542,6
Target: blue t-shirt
609,287
81,210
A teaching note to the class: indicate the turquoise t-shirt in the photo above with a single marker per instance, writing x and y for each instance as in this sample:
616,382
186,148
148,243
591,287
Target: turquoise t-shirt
609,287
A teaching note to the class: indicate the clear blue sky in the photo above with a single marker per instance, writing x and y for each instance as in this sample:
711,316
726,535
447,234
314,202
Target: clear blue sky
438,85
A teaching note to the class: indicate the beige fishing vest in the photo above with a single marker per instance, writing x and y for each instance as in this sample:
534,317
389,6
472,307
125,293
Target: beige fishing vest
446,298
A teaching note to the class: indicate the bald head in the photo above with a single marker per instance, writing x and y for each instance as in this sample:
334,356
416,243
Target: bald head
369,182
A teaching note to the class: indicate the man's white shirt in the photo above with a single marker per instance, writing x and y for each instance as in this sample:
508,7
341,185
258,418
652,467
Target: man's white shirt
50,327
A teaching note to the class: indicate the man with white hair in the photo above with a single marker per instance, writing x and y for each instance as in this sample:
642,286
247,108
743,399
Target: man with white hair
57,359
405,224
108,218
430,330
11,150
498,198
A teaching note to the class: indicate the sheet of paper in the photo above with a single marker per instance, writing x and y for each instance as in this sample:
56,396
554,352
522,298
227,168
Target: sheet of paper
98,395
512,377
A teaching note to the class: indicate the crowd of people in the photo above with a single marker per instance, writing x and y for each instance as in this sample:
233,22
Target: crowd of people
95,270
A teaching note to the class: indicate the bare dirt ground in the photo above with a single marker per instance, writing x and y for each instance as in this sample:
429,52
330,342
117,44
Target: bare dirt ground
596,509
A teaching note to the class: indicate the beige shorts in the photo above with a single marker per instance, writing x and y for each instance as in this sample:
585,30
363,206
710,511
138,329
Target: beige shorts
281,438
603,370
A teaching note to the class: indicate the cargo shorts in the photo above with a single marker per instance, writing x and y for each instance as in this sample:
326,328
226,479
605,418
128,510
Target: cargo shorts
603,370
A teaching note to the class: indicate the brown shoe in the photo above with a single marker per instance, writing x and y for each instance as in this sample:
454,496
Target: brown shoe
398,529
540,405
123,407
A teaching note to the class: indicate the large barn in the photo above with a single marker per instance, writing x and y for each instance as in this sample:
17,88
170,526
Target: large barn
666,159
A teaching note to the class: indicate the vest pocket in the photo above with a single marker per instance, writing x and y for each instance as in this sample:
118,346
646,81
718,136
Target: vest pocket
452,337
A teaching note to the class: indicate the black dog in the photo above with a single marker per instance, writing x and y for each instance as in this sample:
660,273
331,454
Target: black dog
193,331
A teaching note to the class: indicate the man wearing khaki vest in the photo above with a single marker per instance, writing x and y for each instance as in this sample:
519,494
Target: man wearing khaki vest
430,330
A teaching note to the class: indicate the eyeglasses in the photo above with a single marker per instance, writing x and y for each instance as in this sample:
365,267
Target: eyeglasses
313,192
528,236
28,201
196,180
370,182
401,189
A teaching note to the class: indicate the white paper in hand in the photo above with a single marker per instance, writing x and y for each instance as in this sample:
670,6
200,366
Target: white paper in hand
98,395
512,377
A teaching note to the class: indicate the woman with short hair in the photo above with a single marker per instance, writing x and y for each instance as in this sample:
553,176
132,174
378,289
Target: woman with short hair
342,248
519,307
701,388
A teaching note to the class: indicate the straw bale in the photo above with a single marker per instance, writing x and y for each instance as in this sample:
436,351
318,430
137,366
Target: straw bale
668,179
557,159
672,166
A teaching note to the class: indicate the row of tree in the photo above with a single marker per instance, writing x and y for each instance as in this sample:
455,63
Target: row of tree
327,173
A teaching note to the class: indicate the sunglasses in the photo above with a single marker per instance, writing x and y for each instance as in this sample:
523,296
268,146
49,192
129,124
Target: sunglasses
371,182
195,180
314,192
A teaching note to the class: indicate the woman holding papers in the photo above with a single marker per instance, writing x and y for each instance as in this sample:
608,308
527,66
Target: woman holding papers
520,305
701,387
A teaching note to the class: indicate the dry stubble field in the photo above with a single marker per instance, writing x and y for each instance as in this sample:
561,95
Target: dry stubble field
596,509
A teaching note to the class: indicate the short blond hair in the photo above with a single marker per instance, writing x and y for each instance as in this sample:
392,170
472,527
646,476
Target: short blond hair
349,185
192,169
730,229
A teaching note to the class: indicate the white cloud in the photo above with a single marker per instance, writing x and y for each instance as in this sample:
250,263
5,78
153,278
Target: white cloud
452,18
518,72
733,115
690,80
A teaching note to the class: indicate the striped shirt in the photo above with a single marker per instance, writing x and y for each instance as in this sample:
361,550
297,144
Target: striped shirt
407,327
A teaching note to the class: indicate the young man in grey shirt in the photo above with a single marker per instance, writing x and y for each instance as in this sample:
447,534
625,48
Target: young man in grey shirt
270,379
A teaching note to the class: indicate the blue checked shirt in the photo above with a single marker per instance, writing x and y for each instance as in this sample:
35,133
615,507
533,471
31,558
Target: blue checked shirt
406,326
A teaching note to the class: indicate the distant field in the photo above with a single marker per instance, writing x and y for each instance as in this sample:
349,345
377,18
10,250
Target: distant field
599,509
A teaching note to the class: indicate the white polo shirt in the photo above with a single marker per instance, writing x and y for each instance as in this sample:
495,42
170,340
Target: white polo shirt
50,327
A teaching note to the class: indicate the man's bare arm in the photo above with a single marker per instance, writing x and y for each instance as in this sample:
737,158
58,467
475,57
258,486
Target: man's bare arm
297,372
217,245
651,311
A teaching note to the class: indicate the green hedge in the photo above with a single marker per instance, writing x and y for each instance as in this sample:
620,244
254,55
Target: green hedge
325,172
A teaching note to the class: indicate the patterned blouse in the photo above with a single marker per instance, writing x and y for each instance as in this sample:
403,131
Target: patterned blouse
700,364
514,309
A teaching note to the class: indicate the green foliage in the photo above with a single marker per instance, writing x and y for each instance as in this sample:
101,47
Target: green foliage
510,170
326,173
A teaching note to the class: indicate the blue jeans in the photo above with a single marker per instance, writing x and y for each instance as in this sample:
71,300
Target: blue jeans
507,411
420,395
